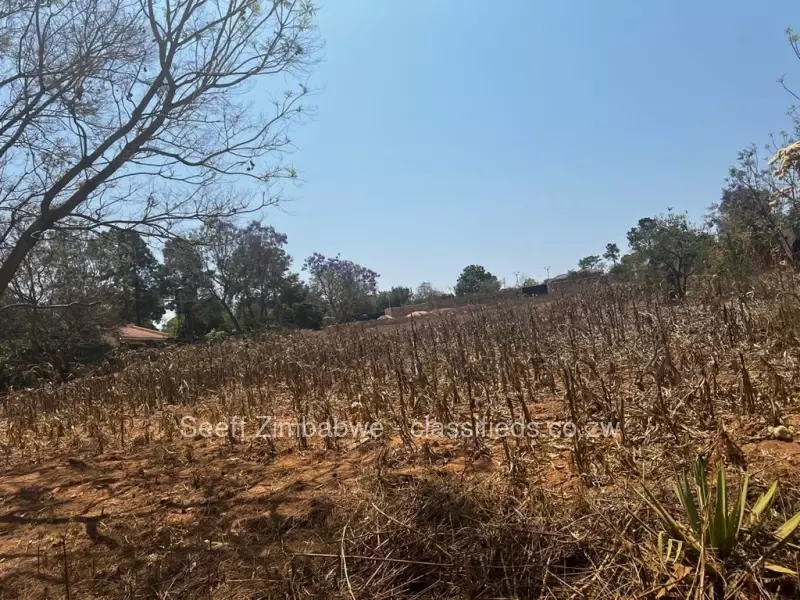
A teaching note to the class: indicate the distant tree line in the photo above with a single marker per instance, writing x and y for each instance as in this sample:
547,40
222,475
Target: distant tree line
73,289
755,226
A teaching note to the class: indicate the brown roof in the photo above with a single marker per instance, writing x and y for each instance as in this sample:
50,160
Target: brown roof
134,333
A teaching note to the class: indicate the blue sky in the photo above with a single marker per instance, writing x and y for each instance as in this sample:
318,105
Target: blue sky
523,134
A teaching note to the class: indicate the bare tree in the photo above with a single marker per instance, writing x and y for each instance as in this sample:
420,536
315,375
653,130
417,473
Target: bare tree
135,114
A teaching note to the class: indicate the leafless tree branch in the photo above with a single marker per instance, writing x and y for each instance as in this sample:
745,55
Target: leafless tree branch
100,99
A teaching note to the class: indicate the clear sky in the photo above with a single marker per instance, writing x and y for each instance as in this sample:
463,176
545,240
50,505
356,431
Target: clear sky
525,133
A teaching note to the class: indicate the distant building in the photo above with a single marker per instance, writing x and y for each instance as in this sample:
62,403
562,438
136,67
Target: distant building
535,290
133,335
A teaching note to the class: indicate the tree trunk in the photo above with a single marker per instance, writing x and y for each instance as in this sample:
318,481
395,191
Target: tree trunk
232,316
229,311
21,249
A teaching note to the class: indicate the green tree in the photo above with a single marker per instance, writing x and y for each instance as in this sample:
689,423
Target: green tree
186,282
612,253
56,316
245,270
260,268
522,280
397,296
184,274
217,244
760,202
590,263
425,292
475,279
629,264
672,247
198,319
747,231
756,209
341,284
132,276
297,305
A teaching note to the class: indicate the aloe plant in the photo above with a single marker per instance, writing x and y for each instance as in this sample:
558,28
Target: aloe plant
721,525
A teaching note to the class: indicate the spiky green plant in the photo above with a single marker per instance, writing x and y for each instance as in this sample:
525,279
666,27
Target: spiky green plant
719,525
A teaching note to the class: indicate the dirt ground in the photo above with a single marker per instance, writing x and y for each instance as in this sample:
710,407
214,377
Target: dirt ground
140,522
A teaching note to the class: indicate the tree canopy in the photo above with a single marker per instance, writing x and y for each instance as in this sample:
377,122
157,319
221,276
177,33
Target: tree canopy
590,263
341,284
132,275
475,279
612,253
671,246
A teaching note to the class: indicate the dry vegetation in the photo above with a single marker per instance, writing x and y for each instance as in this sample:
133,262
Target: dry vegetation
102,497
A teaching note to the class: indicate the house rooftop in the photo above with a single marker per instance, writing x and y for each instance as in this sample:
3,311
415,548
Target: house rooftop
133,333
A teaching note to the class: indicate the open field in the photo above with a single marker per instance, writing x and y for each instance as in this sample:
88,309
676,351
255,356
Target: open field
108,491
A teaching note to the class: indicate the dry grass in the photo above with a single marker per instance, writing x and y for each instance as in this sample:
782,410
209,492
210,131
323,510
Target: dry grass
104,498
